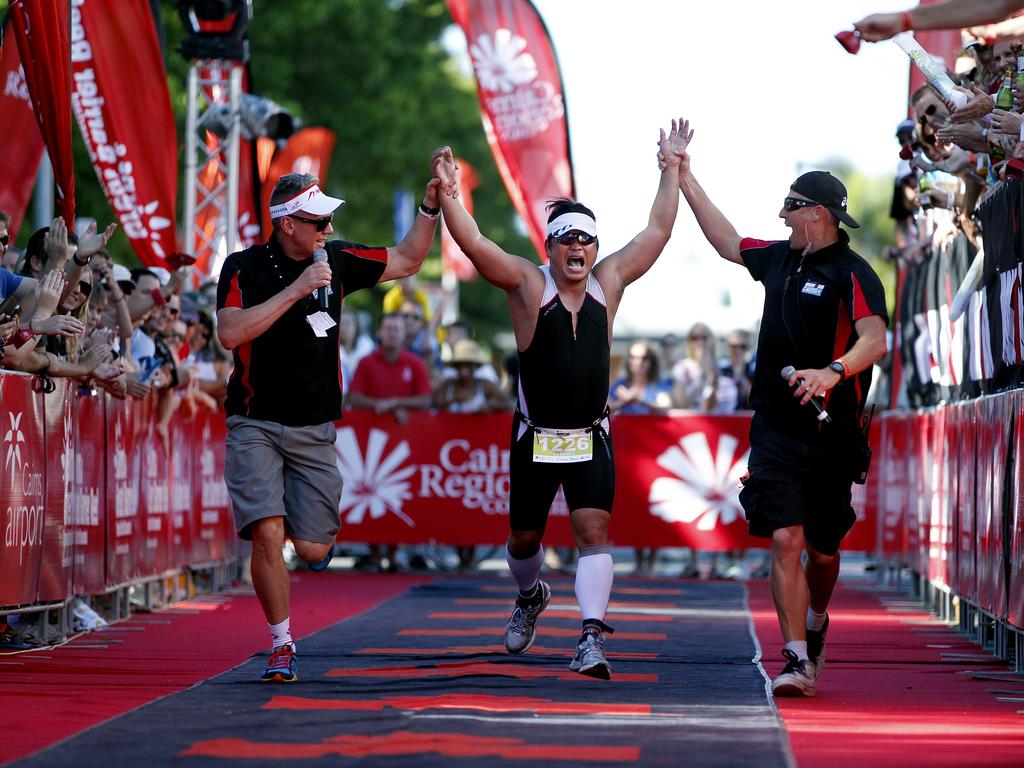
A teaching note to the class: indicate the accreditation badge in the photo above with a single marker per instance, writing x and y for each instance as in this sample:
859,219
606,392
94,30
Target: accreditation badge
568,446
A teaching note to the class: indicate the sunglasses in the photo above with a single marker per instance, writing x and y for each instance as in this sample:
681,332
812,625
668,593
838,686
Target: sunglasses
84,288
5,240
791,204
698,338
412,316
321,224
580,237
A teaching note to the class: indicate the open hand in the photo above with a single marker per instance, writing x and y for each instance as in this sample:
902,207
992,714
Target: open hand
91,243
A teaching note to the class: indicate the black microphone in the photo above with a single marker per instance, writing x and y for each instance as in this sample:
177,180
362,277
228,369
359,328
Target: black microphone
319,256
819,406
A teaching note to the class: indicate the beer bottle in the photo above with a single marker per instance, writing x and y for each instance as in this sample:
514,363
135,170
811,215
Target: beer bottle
1020,67
1004,99
924,184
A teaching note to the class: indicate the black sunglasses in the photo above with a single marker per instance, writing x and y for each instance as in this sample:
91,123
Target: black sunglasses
84,288
569,237
321,224
5,240
791,204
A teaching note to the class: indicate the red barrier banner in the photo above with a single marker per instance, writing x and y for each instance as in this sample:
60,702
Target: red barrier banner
308,150
89,503
1015,607
1002,499
55,572
125,526
155,495
521,103
22,489
124,113
939,509
180,466
985,505
213,536
444,478
965,581
41,30
892,468
23,144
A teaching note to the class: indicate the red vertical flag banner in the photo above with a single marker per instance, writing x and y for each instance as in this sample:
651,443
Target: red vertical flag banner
23,144
521,102
123,108
307,151
452,258
41,31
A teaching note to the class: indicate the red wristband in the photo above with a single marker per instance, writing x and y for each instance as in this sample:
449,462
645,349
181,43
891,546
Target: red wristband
846,368
158,298
21,337
906,21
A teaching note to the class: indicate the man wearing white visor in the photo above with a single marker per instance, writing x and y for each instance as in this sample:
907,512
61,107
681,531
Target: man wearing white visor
278,307
562,315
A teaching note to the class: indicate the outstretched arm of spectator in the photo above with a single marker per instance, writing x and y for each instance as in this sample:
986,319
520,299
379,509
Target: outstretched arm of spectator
716,228
1010,29
639,254
406,258
952,14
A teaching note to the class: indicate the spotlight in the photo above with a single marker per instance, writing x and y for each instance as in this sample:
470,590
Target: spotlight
260,117
215,29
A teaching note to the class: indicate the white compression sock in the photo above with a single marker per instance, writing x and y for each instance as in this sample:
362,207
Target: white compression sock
815,621
281,633
594,575
799,647
525,571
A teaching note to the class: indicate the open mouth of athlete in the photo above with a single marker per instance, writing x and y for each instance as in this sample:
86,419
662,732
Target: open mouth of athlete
576,261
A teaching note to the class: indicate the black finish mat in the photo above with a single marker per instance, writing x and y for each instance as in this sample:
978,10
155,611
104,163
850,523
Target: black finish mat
423,680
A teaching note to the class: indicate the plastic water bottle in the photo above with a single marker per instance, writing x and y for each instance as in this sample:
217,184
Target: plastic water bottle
934,74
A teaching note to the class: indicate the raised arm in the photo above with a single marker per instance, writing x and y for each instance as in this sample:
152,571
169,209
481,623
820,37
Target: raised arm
716,228
639,254
952,14
500,269
406,258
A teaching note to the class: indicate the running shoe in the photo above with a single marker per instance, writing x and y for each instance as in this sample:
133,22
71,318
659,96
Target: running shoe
816,647
589,659
797,679
521,630
322,565
282,666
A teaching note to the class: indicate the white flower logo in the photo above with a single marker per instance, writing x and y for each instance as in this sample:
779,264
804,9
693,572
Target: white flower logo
14,437
374,482
705,488
501,63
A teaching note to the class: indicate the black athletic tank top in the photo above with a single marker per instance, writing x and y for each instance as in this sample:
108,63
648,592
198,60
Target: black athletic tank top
563,379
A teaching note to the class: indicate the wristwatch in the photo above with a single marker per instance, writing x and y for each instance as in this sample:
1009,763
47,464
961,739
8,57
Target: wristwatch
839,368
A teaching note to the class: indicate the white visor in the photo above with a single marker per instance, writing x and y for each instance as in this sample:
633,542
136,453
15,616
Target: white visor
572,222
310,200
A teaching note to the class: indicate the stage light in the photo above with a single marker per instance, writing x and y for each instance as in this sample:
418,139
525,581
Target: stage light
215,29
260,117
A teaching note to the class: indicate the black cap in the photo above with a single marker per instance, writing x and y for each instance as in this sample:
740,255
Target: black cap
825,189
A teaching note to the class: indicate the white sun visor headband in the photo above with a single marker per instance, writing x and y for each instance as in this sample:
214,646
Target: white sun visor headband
310,200
569,222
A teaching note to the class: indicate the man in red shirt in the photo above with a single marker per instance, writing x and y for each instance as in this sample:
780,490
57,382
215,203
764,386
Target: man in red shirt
391,379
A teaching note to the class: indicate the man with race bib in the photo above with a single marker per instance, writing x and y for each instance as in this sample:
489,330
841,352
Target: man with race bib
562,316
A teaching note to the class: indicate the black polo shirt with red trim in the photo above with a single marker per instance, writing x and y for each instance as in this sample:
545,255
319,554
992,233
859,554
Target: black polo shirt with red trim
811,305
288,374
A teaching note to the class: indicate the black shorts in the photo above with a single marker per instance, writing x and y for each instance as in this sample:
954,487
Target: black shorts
793,482
533,485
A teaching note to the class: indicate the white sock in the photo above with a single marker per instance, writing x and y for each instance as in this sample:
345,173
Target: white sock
799,647
525,571
815,621
594,575
281,633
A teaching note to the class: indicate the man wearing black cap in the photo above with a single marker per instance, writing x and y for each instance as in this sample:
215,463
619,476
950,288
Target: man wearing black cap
823,321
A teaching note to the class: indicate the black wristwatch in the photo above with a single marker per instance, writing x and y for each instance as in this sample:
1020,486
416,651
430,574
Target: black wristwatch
839,368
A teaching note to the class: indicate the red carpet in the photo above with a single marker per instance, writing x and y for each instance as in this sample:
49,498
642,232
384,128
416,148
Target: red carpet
49,695
888,697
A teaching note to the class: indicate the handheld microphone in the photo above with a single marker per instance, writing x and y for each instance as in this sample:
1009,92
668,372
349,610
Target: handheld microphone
319,256
788,371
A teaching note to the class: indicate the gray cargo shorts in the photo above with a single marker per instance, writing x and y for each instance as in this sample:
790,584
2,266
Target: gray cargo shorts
276,471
